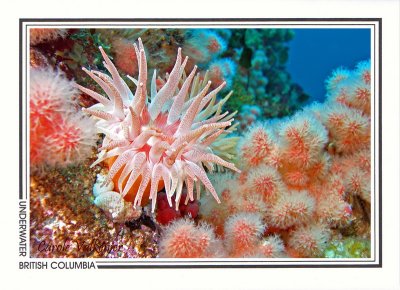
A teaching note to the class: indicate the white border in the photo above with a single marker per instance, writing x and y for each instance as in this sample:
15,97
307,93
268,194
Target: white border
386,277
228,262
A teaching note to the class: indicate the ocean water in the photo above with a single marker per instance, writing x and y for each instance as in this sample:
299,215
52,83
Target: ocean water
315,53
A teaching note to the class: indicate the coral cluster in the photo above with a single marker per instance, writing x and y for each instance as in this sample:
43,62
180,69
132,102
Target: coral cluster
60,135
204,48
305,179
203,45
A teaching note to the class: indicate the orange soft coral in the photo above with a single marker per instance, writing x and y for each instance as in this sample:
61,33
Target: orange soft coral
243,231
305,171
59,135
183,239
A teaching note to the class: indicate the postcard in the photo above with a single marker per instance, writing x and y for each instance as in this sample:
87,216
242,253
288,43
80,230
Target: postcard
236,144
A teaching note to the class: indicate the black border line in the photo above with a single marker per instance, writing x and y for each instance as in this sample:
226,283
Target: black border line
380,141
27,122
120,26
20,112
228,266
182,21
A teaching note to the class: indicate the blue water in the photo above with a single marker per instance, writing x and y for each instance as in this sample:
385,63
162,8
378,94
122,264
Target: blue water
314,53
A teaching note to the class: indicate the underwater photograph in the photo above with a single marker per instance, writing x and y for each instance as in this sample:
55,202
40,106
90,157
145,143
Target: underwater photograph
200,143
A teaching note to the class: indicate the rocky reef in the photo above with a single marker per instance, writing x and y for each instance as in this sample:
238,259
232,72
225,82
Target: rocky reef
193,143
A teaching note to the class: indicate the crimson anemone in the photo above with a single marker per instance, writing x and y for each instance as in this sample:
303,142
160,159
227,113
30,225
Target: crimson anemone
168,136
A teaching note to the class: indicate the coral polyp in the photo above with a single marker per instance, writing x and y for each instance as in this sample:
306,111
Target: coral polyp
291,209
309,240
159,138
183,239
242,233
59,134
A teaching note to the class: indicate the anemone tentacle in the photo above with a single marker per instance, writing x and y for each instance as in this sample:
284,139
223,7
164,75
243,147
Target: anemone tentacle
165,137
